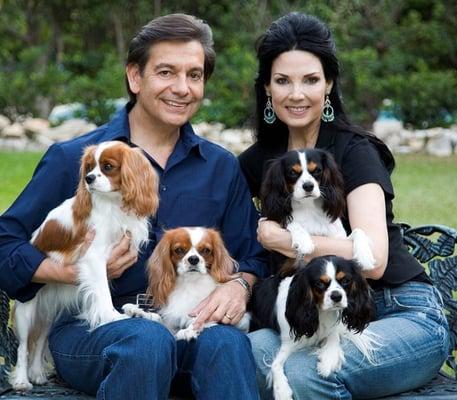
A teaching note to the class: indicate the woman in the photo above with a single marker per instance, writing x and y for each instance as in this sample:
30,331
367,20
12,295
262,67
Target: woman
299,105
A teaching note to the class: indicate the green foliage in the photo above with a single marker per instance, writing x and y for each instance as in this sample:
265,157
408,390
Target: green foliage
229,94
55,51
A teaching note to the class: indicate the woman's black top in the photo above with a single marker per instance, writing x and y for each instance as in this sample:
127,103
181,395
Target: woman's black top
360,163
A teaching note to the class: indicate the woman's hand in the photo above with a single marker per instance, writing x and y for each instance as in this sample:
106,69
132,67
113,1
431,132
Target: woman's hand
274,238
226,304
122,257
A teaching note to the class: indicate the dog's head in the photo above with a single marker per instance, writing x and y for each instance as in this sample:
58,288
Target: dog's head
325,284
115,169
184,251
302,175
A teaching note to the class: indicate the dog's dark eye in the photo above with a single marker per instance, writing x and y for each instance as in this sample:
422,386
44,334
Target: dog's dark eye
107,167
320,286
345,281
317,171
179,251
293,174
205,251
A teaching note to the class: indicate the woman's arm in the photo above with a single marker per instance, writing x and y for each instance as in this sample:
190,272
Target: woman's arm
366,211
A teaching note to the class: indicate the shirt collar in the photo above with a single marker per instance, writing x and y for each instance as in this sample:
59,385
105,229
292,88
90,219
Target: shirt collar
119,129
192,141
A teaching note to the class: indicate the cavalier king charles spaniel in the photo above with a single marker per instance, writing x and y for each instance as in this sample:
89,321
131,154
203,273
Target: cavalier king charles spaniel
117,192
323,303
185,267
303,191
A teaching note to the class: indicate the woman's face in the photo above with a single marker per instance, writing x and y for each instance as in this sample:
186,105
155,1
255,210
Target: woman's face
297,89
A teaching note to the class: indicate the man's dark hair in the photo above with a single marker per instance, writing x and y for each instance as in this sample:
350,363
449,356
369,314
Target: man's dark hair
173,27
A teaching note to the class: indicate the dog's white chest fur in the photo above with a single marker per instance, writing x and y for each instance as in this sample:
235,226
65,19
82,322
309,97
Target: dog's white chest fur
314,220
190,290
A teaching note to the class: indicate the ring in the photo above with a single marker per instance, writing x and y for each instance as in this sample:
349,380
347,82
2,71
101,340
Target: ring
228,316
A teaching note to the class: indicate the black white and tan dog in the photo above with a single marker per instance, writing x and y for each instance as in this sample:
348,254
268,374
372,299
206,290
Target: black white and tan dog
303,191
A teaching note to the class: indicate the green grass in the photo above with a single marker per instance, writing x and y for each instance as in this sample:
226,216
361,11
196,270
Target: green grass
425,187
426,190
15,171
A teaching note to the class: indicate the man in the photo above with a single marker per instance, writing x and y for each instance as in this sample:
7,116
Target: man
168,63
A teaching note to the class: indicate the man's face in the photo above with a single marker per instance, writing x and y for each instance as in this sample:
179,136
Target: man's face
171,86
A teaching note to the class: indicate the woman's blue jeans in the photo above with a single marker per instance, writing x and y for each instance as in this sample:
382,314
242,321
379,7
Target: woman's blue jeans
139,359
415,342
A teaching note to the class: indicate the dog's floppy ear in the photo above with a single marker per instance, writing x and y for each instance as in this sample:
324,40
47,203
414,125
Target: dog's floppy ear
161,271
83,202
140,183
332,186
360,309
274,196
302,312
223,266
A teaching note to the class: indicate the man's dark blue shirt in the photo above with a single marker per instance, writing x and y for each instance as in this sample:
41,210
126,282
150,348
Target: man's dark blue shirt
201,185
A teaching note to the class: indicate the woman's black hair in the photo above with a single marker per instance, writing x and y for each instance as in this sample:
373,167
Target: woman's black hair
297,31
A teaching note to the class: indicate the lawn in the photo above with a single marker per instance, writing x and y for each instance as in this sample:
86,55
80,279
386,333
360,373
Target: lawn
425,187
426,190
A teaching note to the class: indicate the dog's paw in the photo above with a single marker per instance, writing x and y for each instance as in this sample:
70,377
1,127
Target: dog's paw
38,376
303,245
186,334
301,240
102,318
133,311
361,249
329,363
21,384
282,392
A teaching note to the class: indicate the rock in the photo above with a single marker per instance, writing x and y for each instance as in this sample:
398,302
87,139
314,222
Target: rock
387,127
20,144
206,129
4,122
416,144
34,126
69,129
15,130
442,144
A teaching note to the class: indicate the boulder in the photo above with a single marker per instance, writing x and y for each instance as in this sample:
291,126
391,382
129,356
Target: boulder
15,130
68,130
4,122
442,143
34,126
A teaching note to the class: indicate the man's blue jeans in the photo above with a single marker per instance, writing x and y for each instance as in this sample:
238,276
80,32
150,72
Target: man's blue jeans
415,341
138,359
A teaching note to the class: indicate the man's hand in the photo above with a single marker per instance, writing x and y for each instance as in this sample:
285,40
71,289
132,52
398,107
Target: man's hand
226,304
122,257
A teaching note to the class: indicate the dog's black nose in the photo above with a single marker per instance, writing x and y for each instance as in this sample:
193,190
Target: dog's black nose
308,186
90,178
336,296
193,260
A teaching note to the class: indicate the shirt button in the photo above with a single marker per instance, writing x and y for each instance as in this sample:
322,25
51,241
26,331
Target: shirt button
164,188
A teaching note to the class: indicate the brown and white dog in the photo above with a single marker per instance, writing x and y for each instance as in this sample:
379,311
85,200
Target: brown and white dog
117,192
185,267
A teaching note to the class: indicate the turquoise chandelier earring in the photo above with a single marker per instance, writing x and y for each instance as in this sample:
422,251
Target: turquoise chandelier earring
327,113
269,115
